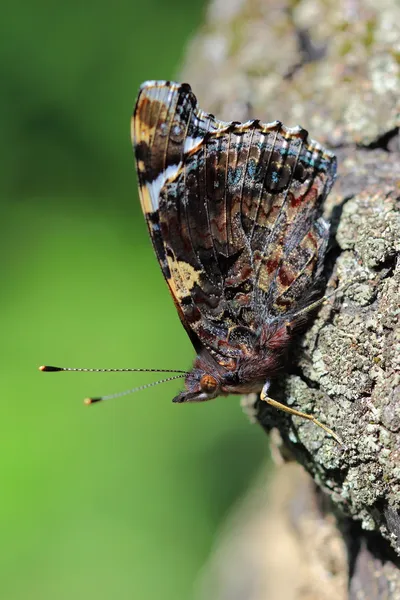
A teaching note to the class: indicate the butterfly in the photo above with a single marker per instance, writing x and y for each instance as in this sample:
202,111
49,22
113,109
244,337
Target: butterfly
234,214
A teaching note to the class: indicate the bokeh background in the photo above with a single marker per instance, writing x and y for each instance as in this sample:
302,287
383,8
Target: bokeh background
121,500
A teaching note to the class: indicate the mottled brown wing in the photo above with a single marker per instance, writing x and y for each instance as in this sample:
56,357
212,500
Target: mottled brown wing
233,212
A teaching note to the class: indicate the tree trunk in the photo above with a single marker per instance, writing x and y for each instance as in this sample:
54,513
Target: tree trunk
332,67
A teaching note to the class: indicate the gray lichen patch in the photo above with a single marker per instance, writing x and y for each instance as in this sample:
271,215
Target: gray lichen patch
370,225
346,365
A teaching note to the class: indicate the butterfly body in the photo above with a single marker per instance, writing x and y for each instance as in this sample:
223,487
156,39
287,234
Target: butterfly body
233,211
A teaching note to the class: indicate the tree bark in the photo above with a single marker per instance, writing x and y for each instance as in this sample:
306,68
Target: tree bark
333,68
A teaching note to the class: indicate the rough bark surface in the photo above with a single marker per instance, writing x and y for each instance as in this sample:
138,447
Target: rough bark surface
333,67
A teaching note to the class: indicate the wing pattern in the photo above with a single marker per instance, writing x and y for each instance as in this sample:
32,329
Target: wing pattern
233,210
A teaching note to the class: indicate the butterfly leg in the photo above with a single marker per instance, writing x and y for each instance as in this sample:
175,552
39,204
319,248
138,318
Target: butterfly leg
298,413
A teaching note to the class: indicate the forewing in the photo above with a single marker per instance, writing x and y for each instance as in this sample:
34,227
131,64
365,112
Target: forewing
233,212
159,130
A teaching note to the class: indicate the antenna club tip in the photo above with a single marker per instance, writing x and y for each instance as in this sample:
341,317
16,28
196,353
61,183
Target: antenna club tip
88,401
47,368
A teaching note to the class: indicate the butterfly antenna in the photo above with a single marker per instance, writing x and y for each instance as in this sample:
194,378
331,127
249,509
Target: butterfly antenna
132,391
49,369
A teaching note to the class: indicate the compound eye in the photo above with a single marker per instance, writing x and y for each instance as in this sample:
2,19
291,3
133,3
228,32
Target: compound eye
208,383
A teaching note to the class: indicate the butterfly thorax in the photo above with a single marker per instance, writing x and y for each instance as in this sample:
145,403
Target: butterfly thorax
212,375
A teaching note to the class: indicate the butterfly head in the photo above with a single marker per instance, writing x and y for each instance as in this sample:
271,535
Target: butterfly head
200,386
206,380
209,379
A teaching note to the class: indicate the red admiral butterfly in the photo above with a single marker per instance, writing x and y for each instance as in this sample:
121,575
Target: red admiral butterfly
233,211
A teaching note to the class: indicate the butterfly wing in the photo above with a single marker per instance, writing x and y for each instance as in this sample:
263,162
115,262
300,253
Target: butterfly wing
233,213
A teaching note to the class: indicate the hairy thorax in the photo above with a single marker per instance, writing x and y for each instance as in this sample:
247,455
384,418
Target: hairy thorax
245,374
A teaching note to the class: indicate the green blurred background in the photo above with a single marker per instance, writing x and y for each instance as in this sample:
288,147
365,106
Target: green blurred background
121,500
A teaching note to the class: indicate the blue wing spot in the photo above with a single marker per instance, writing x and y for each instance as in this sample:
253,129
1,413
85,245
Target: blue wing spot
251,168
234,176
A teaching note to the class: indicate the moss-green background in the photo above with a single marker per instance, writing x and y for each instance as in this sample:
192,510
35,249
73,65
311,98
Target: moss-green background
121,500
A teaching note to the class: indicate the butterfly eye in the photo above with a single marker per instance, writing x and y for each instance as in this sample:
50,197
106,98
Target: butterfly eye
208,383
